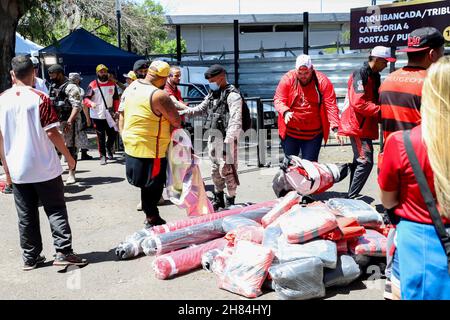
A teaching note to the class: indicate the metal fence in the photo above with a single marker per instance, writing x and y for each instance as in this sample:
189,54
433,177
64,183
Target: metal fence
260,146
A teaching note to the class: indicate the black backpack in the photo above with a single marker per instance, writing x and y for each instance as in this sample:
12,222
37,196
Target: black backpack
246,118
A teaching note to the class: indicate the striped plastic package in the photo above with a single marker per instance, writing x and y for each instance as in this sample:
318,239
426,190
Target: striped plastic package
302,224
182,261
246,269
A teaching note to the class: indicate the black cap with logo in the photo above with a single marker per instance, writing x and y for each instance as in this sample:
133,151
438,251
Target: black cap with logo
424,38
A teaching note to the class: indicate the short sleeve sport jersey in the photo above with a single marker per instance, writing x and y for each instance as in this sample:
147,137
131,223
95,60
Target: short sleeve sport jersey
400,99
396,174
25,116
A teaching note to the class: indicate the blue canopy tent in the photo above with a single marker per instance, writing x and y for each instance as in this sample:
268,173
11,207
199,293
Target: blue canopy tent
81,51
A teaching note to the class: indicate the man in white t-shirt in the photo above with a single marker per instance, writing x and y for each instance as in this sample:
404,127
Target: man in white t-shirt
39,84
28,137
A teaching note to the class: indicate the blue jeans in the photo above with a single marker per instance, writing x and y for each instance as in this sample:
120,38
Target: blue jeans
420,263
309,148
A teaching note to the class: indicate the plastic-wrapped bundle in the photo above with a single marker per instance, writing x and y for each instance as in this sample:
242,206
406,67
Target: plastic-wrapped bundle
208,258
302,224
325,250
298,280
348,228
287,202
185,260
220,260
372,244
132,246
346,271
342,247
234,222
182,238
184,184
270,237
365,214
307,177
175,225
246,269
247,233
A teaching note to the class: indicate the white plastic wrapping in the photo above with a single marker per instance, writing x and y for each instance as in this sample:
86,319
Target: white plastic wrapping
302,224
325,250
346,271
365,214
372,244
132,246
298,280
234,222
246,269
208,258
286,203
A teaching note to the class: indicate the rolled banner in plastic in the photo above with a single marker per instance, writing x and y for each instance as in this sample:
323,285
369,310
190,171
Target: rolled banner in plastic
185,260
179,224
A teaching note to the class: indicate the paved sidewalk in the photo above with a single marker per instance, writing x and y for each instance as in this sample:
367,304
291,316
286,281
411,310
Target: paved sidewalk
102,213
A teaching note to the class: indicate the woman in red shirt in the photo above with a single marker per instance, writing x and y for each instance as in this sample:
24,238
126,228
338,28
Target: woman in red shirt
420,269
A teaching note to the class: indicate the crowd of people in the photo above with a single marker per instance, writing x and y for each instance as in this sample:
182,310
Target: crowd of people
412,104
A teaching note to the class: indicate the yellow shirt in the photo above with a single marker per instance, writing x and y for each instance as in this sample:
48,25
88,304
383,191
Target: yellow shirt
145,135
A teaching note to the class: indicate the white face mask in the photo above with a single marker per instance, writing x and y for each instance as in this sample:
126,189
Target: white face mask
214,86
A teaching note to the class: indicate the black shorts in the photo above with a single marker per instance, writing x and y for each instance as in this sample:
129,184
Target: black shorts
145,172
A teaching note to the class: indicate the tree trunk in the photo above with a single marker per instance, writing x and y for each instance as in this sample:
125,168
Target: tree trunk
10,13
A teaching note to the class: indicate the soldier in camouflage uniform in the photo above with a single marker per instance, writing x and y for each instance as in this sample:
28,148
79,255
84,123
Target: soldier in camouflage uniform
66,97
224,108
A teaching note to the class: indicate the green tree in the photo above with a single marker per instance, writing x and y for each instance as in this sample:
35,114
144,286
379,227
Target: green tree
168,46
10,13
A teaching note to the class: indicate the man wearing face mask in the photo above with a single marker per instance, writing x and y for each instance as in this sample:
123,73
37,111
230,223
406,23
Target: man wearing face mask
66,97
307,109
102,98
147,116
224,107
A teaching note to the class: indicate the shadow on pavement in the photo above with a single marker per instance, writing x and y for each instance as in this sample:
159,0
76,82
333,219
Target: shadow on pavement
92,181
100,256
77,198
354,286
76,188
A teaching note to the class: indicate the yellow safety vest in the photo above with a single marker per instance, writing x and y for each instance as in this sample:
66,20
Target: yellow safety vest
145,135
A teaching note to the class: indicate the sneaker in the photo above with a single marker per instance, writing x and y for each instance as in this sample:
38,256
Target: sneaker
154,222
102,160
32,264
8,189
109,155
71,178
85,156
71,258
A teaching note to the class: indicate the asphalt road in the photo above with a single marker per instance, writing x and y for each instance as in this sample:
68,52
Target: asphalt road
102,213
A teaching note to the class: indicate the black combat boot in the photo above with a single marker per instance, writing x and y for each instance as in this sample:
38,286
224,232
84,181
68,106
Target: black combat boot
218,201
229,201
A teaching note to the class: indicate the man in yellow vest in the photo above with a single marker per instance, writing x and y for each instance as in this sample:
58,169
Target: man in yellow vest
148,116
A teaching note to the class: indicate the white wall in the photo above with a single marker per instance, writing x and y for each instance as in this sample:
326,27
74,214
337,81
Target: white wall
216,38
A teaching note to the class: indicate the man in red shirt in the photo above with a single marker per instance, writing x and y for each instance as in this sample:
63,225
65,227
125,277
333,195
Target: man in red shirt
307,109
360,117
172,87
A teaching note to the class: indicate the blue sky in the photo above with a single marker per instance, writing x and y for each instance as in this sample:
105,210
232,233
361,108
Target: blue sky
192,7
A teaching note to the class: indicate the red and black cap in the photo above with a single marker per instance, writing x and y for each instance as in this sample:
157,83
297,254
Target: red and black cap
424,38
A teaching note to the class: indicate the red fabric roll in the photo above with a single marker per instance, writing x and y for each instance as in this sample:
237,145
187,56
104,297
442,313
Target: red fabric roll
184,260
175,225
